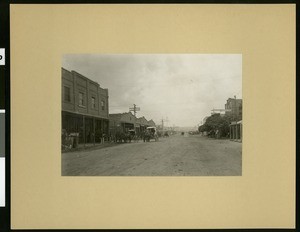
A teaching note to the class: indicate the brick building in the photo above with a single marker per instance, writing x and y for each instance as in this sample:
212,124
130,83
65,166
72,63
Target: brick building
84,108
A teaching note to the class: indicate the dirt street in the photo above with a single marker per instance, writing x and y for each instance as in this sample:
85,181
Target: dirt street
188,155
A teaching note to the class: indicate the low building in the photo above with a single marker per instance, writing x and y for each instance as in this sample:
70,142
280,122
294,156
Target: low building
84,108
151,123
121,122
141,124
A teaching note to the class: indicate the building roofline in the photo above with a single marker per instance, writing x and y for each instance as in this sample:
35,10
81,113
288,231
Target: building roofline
234,99
123,114
86,77
95,82
65,69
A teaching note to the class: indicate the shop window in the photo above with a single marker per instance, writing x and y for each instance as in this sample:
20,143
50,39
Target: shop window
102,105
93,103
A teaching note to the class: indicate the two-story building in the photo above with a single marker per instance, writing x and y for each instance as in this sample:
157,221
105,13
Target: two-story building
84,108
234,107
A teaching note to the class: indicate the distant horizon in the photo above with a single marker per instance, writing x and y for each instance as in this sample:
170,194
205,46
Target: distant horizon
182,88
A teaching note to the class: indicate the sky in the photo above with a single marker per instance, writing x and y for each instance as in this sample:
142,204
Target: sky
182,89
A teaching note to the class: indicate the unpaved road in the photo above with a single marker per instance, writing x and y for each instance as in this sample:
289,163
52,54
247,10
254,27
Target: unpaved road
174,156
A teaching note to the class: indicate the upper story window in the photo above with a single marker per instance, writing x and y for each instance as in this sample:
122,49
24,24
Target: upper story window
102,105
93,102
81,99
67,94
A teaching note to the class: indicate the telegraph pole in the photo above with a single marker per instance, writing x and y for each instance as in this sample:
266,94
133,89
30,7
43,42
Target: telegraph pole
167,120
163,121
134,109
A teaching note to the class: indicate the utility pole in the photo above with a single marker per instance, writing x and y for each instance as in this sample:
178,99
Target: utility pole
167,120
134,109
163,121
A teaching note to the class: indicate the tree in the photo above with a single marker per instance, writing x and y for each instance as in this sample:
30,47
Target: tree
217,122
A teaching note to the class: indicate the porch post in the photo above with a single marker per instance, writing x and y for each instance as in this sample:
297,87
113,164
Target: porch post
83,121
108,130
94,130
102,125
241,131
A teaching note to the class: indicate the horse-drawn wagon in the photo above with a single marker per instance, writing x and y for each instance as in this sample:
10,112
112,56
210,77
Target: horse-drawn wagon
150,133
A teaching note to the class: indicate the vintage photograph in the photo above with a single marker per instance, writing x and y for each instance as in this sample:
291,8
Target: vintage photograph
151,115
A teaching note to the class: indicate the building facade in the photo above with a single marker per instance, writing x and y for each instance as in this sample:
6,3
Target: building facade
84,108
121,122
142,124
151,123
234,107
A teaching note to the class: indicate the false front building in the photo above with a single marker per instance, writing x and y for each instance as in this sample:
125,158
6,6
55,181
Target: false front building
84,108
141,124
123,122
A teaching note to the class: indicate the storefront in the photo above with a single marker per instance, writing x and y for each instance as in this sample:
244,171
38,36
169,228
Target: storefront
84,111
86,129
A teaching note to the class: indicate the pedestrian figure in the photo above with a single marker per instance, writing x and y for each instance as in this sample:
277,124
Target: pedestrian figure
146,136
217,133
